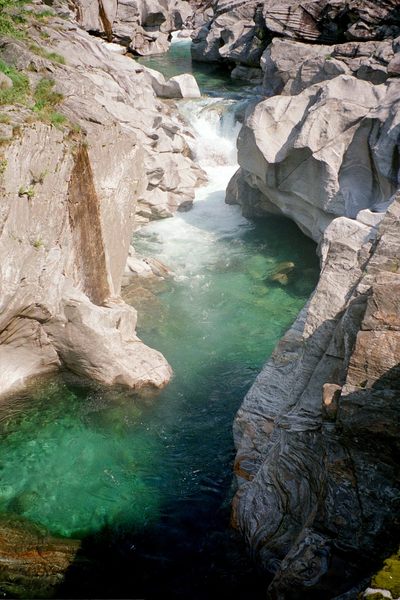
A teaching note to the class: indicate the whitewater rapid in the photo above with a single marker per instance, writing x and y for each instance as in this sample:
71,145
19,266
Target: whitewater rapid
187,241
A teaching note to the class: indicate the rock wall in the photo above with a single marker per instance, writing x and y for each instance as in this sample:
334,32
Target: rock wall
71,196
238,32
330,117
143,26
332,150
317,435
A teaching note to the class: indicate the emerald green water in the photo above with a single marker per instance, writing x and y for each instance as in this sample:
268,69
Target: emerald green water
211,78
146,482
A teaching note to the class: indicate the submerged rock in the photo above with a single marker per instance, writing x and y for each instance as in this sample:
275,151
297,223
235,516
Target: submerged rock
32,562
281,273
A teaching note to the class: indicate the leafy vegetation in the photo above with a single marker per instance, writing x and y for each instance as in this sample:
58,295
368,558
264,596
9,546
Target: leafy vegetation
44,15
46,99
38,243
12,17
3,166
26,191
19,91
15,19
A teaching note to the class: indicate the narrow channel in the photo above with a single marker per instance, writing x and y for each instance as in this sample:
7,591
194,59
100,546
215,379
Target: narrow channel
146,482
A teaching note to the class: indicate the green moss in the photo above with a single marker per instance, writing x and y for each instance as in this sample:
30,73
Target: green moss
44,15
388,577
57,119
18,93
394,266
45,96
46,99
53,56
5,119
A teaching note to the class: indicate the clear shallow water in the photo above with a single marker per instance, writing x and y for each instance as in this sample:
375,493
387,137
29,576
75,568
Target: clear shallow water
146,482
212,79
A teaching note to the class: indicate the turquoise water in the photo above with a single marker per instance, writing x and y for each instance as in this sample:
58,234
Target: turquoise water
146,481
212,78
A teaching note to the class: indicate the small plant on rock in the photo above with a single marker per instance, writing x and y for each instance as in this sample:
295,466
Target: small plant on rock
38,243
46,99
26,191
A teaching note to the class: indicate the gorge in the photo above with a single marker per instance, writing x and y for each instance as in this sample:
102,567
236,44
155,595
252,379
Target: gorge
143,481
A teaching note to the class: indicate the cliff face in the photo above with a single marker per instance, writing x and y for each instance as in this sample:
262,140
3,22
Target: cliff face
316,434
86,142
329,151
144,27
238,32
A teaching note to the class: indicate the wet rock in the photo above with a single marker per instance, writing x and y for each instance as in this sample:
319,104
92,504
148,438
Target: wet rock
241,73
144,267
32,562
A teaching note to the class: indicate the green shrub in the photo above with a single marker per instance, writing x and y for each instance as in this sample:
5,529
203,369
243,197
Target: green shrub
26,191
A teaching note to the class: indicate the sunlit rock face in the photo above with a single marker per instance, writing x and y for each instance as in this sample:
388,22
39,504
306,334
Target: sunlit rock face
143,26
328,151
72,195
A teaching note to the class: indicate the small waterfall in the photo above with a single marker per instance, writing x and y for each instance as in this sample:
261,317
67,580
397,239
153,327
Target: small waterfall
216,129
190,242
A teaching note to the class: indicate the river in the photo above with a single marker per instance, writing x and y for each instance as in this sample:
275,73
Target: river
146,482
